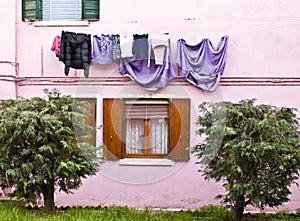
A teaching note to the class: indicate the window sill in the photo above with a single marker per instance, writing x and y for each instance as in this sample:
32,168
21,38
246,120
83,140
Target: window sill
60,23
145,162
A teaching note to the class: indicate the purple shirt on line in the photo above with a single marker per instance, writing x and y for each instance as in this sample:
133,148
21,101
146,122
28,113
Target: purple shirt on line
102,49
202,64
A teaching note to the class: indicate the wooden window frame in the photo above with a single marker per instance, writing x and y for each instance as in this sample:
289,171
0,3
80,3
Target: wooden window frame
147,131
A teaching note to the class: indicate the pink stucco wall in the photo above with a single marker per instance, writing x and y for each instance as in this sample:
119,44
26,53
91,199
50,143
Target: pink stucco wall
262,63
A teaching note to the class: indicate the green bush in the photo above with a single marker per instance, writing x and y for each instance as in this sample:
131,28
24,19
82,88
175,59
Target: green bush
44,146
252,149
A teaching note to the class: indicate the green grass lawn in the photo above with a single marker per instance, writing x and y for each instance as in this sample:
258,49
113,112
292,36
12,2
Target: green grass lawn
15,211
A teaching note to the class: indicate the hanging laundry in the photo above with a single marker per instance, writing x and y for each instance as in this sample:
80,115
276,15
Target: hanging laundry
116,50
140,46
152,77
126,43
56,45
159,47
76,51
202,64
102,49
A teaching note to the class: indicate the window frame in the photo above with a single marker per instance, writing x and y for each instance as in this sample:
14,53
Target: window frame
32,11
147,130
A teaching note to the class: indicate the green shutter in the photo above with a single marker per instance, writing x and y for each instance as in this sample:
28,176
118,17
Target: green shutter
31,9
90,10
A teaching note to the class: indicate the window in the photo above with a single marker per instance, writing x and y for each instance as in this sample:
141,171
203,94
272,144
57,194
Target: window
146,128
51,10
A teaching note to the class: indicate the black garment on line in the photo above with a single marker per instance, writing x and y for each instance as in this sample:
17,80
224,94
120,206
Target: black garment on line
76,51
140,46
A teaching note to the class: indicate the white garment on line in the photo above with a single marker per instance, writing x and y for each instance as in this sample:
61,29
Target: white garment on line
126,43
159,46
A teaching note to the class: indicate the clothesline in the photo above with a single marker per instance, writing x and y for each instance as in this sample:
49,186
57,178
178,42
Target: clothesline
146,60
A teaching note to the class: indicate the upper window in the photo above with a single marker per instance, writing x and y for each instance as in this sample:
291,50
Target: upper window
146,128
60,10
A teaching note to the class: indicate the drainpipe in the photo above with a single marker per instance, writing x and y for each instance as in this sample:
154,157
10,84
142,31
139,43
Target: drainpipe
42,61
16,50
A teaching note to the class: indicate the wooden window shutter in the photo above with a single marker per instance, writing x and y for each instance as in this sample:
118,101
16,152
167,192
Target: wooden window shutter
90,119
90,10
112,119
31,9
180,129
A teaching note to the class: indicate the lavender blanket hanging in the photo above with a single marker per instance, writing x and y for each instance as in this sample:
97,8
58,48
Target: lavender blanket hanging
202,64
149,76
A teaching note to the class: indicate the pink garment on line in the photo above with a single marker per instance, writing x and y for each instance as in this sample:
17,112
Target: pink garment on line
56,45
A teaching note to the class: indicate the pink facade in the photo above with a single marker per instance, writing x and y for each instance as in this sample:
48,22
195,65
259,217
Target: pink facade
262,62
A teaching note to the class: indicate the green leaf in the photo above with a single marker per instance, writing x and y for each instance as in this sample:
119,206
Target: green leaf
229,131
46,148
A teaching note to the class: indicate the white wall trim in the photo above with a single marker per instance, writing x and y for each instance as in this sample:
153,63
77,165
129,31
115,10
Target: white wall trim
145,162
61,23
